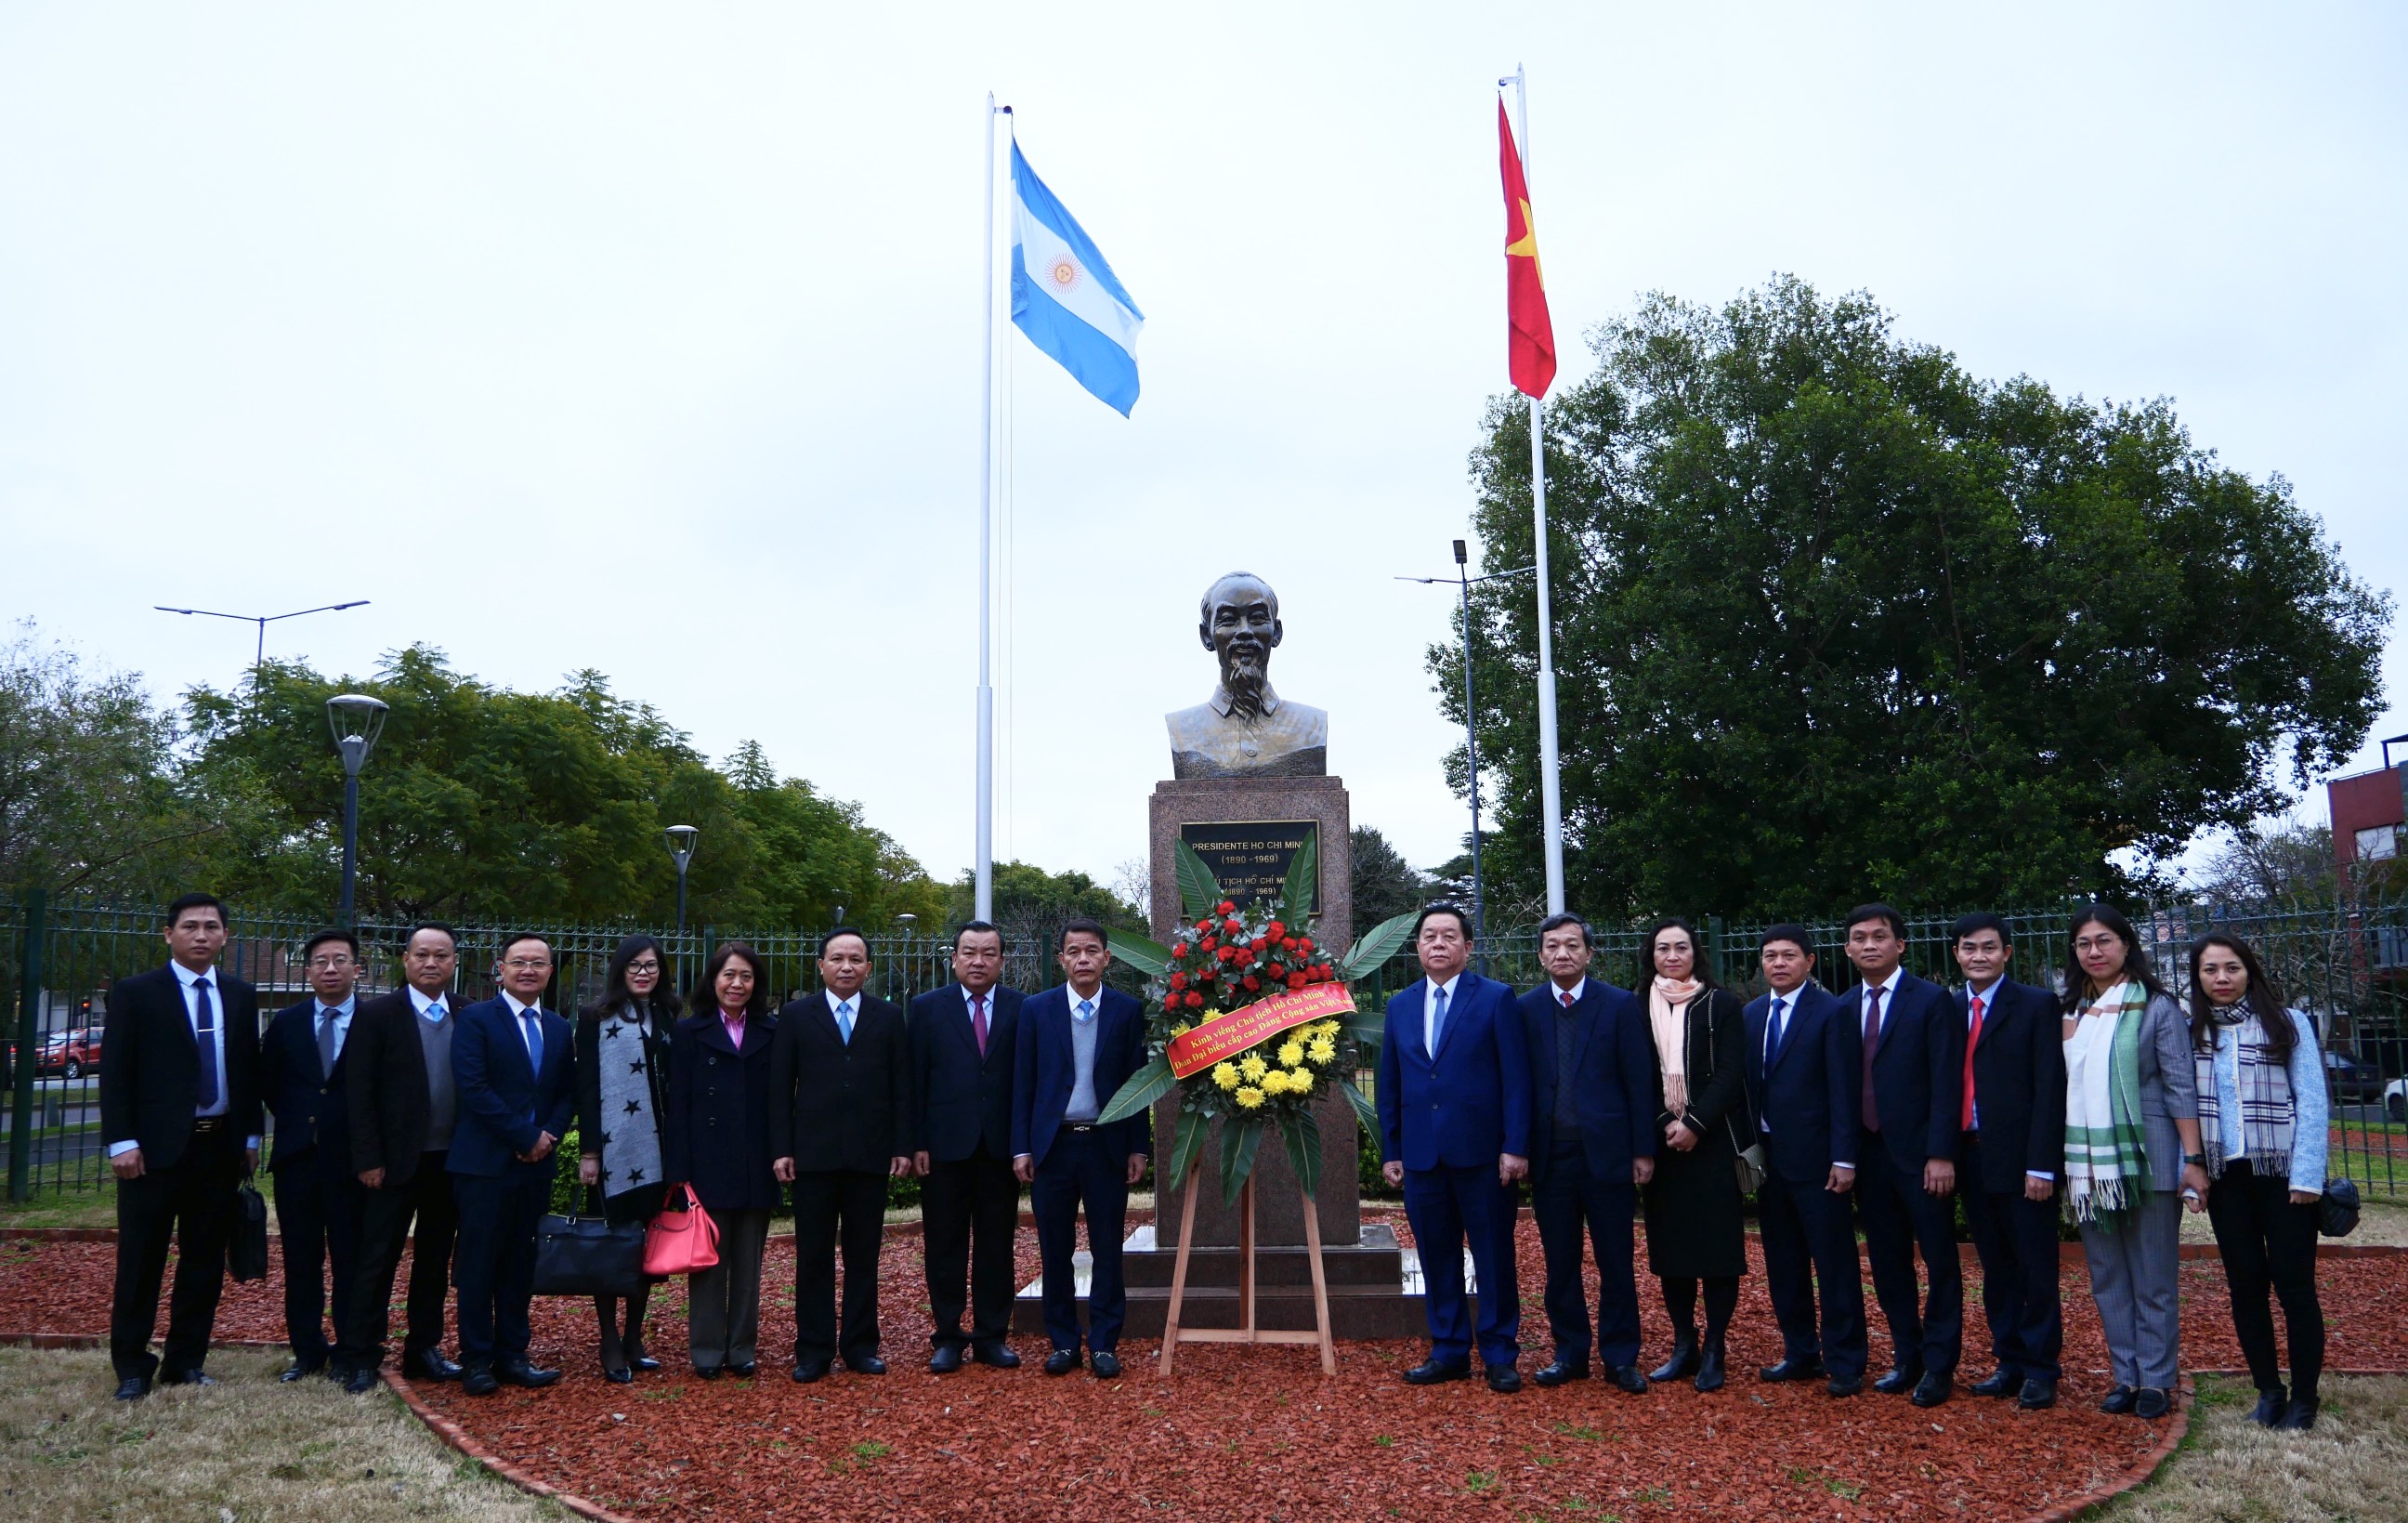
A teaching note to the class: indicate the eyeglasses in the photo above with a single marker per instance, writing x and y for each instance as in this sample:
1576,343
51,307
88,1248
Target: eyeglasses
329,964
646,966
527,964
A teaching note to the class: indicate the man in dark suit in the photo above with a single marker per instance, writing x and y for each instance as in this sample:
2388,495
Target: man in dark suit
1803,1084
179,1112
1912,1059
962,1051
1077,1044
840,1130
2014,1148
1593,1099
319,1200
404,1108
1455,1131
515,1067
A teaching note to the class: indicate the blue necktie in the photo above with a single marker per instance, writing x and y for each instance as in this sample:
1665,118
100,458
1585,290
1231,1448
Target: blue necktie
205,1023
1437,1021
844,1021
1773,1047
1086,1011
533,1020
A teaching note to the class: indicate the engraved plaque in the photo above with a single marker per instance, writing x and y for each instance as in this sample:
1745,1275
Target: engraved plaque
1249,858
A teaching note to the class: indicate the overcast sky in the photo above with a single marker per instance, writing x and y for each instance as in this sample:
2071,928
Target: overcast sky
647,338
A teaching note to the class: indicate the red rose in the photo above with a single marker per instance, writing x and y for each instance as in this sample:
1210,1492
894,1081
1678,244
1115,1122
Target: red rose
1253,983
1193,998
1296,980
1209,942
1246,957
1232,925
1277,929
1178,981
1228,954
1227,908
1287,943
1304,944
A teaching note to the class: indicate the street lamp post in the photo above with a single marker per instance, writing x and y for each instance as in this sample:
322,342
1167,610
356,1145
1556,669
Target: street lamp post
680,840
1464,578
356,720
259,652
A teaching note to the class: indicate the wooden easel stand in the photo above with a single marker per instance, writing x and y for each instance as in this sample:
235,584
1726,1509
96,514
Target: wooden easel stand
1246,1331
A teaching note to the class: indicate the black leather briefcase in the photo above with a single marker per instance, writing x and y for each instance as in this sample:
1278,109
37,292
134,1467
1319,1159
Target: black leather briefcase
247,1250
586,1256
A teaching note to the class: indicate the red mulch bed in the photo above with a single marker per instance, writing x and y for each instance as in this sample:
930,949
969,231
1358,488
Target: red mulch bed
1258,1434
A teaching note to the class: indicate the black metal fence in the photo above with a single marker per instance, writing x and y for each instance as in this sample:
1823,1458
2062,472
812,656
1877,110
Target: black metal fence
2344,961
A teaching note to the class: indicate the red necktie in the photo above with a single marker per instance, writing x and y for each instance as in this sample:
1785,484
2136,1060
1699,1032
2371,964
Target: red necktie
1872,1041
1566,995
1973,1040
978,1020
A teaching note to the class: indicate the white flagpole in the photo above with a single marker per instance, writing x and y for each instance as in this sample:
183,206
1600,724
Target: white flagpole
983,897
1550,798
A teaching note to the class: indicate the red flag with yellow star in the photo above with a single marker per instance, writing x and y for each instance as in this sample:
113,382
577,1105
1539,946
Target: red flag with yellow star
1531,337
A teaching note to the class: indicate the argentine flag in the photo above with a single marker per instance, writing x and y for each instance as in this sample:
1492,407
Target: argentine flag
1066,298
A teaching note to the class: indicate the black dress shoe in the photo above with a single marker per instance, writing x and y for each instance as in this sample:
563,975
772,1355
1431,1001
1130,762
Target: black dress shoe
1931,1389
132,1389
361,1381
2151,1403
2117,1401
299,1369
428,1364
1627,1377
1836,1387
620,1377
1681,1366
945,1360
807,1370
1711,1368
1105,1364
525,1375
2271,1405
998,1355
1898,1380
1560,1370
1504,1379
711,1372
2299,1416
1061,1361
868,1364
745,1370
478,1379
643,1364
1792,1368
190,1377
2037,1395
2003,1382
1431,1372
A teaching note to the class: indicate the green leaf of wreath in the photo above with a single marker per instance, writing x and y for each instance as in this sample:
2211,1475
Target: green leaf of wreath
1369,1028
1146,1085
1199,890
1376,946
1365,1113
1302,1135
1303,877
1151,958
1240,1141
1194,1128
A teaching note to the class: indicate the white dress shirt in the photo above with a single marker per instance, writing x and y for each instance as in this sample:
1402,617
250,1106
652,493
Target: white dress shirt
518,1018
1557,992
433,1008
1989,1004
1429,1010
342,1021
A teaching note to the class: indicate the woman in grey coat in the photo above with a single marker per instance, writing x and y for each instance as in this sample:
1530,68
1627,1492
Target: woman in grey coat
2132,1159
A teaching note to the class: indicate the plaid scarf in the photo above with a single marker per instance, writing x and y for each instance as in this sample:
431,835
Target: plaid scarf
2263,1091
2106,1167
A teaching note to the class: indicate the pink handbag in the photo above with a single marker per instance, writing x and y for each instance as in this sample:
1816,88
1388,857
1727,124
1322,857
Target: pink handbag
681,1242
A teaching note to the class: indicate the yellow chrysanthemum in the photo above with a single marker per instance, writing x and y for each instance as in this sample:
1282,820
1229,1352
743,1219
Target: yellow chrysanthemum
1291,1053
1299,1083
1325,1028
1274,1082
1212,1015
1180,1030
1252,1065
1323,1050
1226,1075
1250,1098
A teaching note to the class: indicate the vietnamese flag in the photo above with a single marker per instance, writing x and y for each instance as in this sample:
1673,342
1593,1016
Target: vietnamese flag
1530,335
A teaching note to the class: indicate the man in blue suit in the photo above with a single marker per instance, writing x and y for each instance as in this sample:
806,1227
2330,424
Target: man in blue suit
2013,1150
1593,1101
1455,1131
963,1047
1913,1057
1802,1082
319,1200
1077,1044
514,1065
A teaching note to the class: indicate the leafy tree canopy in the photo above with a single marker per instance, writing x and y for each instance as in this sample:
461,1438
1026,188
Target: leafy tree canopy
1031,906
1836,620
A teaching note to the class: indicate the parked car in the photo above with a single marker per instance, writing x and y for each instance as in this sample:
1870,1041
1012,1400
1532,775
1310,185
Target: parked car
2351,1079
72,1053
2395,1101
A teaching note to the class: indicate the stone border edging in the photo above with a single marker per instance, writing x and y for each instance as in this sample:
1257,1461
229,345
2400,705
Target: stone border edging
2140,1473
458,1438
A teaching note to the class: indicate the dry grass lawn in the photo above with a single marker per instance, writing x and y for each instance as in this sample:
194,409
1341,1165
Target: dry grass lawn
2353,1468
248,1450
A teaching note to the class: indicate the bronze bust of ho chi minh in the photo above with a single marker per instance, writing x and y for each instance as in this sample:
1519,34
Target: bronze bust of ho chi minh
1246,729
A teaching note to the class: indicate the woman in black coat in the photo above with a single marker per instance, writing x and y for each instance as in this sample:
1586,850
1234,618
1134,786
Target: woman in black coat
719,1143
619,1150
1696,1213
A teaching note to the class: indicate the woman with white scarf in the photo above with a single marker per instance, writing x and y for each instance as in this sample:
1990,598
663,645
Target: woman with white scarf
618,1113
2132,1157
1697,1229
2263,1117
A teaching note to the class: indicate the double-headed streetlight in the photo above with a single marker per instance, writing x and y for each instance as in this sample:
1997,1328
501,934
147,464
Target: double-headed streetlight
680,840
259,652
1464,578
356,720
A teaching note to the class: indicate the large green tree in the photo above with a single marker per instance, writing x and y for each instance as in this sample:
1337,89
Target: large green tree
1836,620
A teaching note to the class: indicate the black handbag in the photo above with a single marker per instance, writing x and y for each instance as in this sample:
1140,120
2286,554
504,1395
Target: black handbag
247,1249
2337,1212
587,1255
